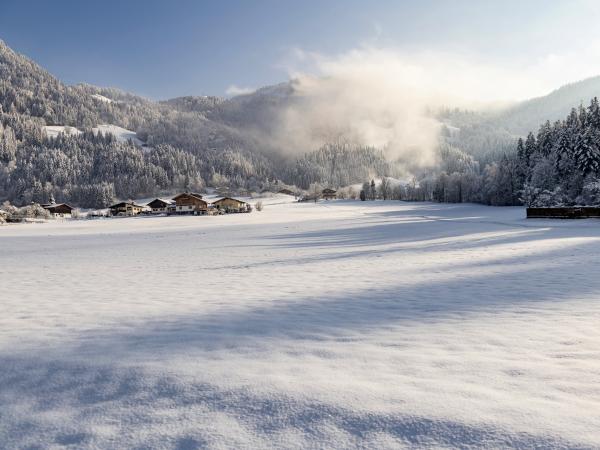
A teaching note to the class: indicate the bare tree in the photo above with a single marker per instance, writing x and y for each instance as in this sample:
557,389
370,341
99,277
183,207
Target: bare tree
385,188
315,191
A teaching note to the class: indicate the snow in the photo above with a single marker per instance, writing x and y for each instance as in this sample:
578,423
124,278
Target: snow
102,98
122,134
54,130
338,324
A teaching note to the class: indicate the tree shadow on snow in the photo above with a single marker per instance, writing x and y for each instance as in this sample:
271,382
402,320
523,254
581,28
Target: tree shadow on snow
470,293
430,227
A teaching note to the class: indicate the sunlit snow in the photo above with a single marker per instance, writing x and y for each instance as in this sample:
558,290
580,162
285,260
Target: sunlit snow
121,134
102,98
337,324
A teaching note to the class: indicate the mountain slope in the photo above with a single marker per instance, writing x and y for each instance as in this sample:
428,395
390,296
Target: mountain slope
235,143
29,90
488,135
191,141
528,115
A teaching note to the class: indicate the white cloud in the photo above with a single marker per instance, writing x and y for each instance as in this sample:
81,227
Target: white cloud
382,96
234,90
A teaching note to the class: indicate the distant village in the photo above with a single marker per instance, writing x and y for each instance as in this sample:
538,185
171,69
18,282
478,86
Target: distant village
186,203
189,203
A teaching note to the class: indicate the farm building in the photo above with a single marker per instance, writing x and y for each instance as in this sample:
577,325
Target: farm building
286,192
329,194
160,205
126,209
190,203
59,210
229,204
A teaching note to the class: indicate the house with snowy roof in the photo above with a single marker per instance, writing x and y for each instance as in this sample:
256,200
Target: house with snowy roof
128,208
59,210
190,203
229,204
160,205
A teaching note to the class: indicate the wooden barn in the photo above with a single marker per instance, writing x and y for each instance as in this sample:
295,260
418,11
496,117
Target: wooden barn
59,210
329,194
160,205
126,209
286,192
229,204
190,203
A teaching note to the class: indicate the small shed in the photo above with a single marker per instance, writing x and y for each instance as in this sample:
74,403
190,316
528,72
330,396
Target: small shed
229,204
126,209
329,194
59,210
190,203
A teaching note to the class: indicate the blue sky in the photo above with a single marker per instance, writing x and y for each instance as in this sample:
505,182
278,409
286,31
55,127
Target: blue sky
163,49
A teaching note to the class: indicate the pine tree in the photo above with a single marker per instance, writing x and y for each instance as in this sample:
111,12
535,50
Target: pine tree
521,150
587,151
563,148
530,148
594,114
544,139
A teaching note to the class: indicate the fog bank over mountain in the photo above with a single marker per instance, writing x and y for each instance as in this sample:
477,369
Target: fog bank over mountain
386,99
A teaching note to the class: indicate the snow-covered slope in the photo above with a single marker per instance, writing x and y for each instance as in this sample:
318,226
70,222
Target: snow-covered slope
102,98
122,134
55,130
331,325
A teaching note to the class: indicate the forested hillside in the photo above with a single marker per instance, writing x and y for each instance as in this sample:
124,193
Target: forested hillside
482,153
192,142
557,166
561,164
489,135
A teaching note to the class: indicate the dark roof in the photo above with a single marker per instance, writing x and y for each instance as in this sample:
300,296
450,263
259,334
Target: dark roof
160,201
189,194
329,191
285,191
51,207
121,204
228,198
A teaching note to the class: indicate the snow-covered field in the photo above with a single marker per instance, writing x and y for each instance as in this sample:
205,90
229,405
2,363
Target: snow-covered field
341,324
121,134
54,130
102,98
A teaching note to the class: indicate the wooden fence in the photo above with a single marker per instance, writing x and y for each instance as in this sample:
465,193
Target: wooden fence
579,212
